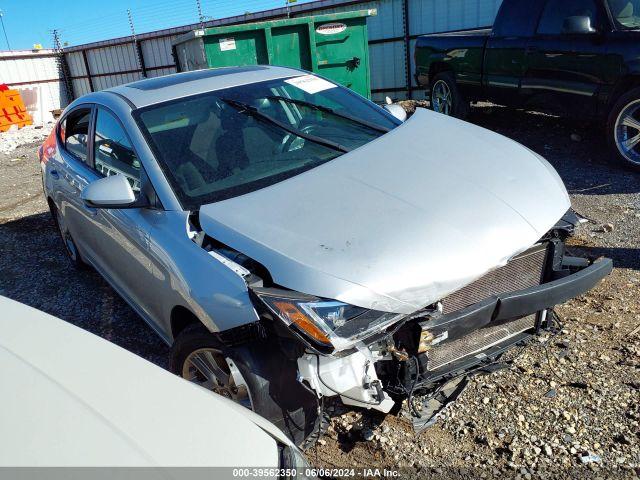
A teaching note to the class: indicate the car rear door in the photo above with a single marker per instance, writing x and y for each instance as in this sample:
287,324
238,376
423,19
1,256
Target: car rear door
565,70
505,57
71,172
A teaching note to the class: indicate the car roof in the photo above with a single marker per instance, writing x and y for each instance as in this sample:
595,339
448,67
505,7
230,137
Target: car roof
150,91
77,399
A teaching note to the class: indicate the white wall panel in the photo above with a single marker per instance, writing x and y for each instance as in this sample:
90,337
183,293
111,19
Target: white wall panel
35,75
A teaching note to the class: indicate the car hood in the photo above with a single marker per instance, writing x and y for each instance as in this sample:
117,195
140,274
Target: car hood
400,222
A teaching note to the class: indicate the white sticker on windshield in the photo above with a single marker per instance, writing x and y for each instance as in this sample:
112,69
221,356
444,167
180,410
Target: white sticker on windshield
310,83
227,44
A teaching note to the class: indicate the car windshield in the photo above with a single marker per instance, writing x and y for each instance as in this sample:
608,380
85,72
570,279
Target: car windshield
233,141
626,13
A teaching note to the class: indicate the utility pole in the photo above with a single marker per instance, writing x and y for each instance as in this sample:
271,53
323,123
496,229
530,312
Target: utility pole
136,45
287,4
63,66
200,15
4,29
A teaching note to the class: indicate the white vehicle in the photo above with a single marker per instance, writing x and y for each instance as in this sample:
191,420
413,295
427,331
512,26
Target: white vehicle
71,398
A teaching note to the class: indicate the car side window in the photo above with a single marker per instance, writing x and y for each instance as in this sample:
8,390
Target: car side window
74,133
113,152
556,11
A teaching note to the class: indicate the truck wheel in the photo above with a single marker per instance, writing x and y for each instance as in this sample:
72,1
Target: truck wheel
446,97
255,375
623,130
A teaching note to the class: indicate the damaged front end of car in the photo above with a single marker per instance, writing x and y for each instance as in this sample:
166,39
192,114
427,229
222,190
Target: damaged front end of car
375,360
378,286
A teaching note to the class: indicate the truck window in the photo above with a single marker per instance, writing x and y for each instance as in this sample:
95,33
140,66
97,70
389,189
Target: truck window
556,11
626,13
516,18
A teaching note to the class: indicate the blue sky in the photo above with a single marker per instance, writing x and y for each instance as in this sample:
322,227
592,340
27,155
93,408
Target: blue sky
30,21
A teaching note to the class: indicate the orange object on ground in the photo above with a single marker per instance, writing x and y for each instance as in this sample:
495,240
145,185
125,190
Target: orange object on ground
12,110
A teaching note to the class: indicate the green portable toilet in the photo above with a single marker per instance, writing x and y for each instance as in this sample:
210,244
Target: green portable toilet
334,46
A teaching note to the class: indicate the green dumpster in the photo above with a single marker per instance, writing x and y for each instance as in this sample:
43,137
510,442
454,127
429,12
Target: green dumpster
334,46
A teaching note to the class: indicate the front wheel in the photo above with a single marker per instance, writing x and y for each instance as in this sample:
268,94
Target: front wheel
256,375
446,97
623,130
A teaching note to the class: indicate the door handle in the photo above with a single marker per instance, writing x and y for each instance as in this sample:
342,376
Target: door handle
54,174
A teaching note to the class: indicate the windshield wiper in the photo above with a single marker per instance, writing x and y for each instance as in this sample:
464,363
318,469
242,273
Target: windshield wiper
314,106
254,112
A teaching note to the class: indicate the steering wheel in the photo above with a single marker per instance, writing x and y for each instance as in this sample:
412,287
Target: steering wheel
290,138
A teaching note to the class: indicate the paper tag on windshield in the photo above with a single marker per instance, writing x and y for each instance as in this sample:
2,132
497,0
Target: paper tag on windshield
310,83
227,44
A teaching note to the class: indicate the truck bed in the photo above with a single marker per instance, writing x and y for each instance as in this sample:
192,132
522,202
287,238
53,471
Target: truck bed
484,32
460,51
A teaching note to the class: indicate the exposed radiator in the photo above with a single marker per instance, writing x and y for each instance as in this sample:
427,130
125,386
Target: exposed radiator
477,341
523,271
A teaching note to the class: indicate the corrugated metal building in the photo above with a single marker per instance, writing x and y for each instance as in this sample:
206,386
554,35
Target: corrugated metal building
392,34
35,74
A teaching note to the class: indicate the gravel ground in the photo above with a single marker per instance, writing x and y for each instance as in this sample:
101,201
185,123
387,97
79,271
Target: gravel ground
567,406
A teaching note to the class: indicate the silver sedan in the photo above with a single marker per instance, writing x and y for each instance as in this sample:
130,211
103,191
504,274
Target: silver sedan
293,241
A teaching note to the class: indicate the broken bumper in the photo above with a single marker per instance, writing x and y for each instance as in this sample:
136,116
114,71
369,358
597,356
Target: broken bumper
457,342
468,336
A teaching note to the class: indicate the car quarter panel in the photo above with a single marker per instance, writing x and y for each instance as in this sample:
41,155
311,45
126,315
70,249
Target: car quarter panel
185,274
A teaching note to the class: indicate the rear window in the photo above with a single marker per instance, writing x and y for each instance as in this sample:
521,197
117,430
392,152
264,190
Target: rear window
516,18
233,141
74,133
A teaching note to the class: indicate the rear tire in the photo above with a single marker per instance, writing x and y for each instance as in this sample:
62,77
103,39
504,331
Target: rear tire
446,97
70,247
623,130
271,380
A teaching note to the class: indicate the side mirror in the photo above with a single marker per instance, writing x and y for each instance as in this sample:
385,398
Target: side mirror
397,111
113,191
577,24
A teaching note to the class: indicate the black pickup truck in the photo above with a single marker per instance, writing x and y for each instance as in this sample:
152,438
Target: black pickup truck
567,57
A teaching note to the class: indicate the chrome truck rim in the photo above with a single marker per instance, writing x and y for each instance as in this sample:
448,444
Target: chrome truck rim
627,132
208,368
441,97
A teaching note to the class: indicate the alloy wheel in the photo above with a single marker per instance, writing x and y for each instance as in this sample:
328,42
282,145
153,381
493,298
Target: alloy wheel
627,132
69,244
441,97
210,369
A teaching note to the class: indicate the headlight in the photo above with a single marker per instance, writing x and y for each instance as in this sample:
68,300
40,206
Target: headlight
329,323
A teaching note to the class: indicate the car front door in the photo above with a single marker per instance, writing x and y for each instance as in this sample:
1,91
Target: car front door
120,237
565,68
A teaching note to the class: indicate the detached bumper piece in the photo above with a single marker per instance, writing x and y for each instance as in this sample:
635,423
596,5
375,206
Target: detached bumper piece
459,340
